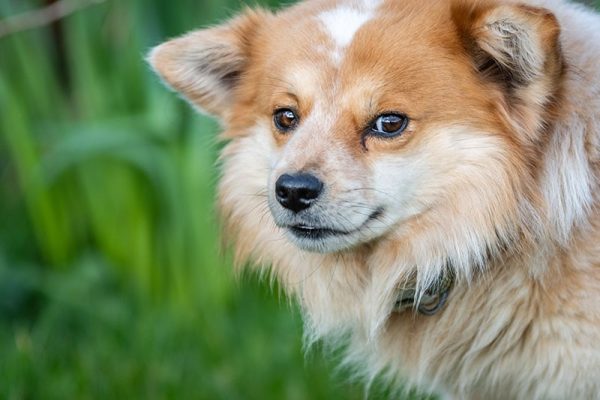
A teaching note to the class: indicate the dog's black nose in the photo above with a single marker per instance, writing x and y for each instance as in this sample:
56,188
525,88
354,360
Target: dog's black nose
297,192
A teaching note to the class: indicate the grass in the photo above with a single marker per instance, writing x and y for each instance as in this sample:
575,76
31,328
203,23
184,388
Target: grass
79,334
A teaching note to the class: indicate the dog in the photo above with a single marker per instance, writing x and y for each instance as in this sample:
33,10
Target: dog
423,176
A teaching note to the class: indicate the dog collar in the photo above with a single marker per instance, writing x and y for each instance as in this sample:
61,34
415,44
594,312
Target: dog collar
432,301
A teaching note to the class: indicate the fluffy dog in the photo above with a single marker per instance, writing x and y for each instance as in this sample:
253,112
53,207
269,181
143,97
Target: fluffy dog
423,176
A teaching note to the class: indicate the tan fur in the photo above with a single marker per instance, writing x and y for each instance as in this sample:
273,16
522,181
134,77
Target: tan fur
496,180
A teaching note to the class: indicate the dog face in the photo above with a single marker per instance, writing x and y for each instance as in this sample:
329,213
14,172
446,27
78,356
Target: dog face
361,122
375,132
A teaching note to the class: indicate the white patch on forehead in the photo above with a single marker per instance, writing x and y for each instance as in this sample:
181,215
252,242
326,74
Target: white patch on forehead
343,22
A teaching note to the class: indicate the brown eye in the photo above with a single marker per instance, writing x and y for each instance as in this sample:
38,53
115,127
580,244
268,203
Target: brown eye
389,125
285,119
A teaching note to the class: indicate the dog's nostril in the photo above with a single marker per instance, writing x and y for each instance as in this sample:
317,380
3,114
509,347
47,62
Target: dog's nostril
297,192
281,192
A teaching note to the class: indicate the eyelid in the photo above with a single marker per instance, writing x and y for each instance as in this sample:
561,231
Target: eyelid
280,107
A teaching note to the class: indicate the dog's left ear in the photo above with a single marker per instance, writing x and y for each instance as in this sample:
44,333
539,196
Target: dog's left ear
516,48
205,66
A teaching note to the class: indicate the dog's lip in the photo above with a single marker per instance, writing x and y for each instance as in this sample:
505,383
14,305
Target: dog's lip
314,232
320,232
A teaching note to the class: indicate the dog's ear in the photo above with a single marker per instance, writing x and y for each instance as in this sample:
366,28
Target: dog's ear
205,65
513,46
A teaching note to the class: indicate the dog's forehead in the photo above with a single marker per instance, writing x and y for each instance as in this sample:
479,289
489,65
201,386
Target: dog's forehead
326,27
338,25
359,52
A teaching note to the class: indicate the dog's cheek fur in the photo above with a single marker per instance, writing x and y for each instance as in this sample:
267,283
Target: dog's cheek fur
475,202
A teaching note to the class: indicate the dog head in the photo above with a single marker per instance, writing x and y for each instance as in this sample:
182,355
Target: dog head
401,133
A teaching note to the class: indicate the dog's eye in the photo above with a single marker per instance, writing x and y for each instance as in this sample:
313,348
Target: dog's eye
285,119
389,125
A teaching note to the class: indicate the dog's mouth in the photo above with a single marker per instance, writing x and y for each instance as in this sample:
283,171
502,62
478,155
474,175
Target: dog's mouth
315,233
310,232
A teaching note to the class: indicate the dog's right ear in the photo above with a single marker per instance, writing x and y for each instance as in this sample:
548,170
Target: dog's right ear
205,65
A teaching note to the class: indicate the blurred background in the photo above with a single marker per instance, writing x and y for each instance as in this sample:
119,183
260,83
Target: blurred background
112,282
